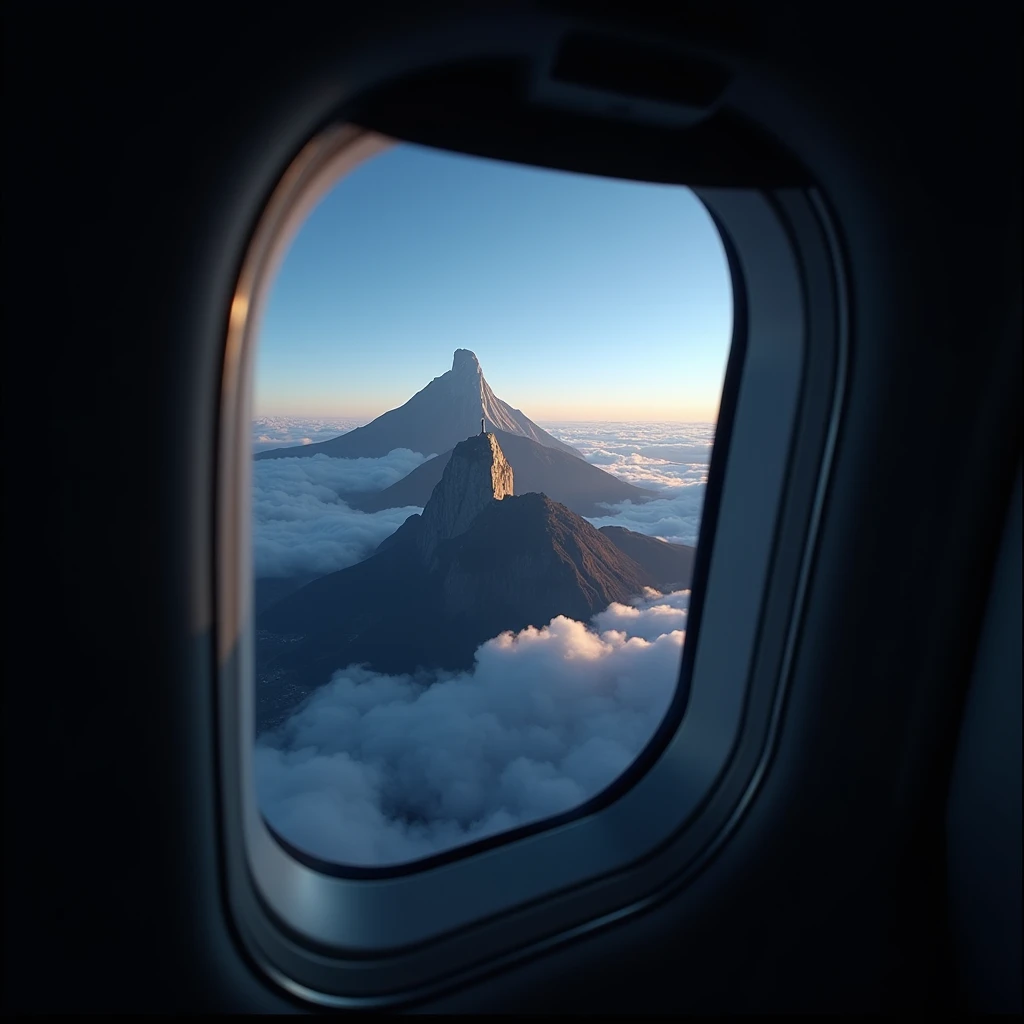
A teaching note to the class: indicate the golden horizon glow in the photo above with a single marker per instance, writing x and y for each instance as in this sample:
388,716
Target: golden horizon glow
678,415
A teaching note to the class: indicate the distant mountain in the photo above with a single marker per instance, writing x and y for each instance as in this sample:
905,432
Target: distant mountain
435,419
570,481
671,565
477,562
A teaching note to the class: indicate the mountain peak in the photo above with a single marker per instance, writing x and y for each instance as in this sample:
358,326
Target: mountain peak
465,361
435,419
476,475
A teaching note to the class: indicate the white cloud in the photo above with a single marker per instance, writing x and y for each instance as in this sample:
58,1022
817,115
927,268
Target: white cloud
300,524
288,431
669,458
378,769
676,443
675,519
652,473
653,616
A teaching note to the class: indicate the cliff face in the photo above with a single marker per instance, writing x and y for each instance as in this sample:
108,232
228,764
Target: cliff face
477,474
563,478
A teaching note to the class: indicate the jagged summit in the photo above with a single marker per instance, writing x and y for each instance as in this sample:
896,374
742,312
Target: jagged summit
476,475
434,420
465,361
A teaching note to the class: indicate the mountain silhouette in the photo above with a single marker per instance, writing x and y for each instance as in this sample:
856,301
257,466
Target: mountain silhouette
435,419
671,565
480,560
571,481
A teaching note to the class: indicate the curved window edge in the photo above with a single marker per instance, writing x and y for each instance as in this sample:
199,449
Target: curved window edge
357,941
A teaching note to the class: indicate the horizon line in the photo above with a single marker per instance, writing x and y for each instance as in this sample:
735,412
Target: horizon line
540,421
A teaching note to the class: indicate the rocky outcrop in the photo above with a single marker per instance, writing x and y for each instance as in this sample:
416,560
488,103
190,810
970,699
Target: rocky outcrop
584,488
477,474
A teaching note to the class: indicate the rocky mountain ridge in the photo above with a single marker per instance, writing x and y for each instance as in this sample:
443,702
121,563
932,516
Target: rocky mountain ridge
479,561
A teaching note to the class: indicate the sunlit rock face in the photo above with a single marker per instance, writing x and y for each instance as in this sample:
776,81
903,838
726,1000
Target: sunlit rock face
476,475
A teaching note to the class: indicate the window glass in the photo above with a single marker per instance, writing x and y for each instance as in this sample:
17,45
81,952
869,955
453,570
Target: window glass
486,397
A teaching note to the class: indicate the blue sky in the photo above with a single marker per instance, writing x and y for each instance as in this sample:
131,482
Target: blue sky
584,298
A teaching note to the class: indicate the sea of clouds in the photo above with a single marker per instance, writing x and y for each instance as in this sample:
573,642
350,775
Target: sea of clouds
301,525
669,458
287,431
376,769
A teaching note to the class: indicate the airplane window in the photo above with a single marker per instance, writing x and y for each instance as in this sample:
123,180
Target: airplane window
485,402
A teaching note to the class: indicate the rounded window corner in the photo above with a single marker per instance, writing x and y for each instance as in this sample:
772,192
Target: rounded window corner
350,936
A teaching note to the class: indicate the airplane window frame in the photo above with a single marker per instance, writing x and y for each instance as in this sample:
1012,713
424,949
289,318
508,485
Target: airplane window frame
365,941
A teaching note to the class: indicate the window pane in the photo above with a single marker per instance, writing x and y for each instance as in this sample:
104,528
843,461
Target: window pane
486,397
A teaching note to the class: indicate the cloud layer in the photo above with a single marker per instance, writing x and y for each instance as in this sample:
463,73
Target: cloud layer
654,455
287,431
675,519
377,769
669,458
300,524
